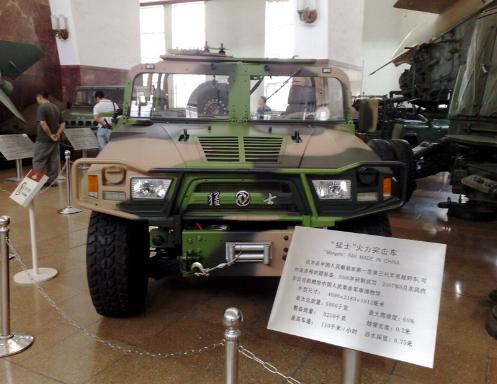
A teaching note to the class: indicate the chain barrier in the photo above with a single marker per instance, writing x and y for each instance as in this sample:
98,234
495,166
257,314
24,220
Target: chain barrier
127,349
45,189
267,366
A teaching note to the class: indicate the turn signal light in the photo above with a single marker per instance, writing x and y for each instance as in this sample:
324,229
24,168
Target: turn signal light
387,187
93,186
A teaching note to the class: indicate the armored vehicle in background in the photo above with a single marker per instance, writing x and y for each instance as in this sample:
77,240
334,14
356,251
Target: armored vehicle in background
79,112
205,175
469,151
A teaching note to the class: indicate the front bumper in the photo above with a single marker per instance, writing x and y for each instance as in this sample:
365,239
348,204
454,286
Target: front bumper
191,189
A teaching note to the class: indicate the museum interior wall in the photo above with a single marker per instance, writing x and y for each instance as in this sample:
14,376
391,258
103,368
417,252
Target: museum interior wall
384,29
28,21
99,51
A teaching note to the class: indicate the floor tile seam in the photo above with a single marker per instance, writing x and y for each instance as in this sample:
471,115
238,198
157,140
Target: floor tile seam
37,372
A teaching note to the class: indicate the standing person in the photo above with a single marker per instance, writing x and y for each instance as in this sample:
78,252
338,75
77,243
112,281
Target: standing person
102,113
49,127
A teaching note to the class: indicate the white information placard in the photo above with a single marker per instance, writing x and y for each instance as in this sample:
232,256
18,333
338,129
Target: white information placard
16,147
373,294
81,138
28,188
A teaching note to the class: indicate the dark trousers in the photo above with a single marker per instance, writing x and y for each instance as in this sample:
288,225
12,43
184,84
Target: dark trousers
46,156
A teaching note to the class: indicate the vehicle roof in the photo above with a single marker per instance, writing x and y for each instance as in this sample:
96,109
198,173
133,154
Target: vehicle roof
231,59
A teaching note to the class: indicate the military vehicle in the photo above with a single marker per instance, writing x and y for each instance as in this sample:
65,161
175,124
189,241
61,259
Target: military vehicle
394,118
199,179
79,111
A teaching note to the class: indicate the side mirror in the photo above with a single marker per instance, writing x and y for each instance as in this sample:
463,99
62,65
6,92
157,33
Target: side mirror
368,115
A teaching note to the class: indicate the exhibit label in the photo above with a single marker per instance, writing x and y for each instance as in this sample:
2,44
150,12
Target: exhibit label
28,188
16,147
373,294
81,138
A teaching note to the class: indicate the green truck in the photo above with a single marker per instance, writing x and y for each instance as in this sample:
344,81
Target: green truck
215,161
79,110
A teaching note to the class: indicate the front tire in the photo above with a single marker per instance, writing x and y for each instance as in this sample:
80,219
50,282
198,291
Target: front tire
116,265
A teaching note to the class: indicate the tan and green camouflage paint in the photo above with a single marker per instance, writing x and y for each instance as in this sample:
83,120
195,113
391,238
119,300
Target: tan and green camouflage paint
326,148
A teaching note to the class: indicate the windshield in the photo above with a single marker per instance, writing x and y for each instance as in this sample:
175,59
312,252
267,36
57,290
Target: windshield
207,96
296,98
191,96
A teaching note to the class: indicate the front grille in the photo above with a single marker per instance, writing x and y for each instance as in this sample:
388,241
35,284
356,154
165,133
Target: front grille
262,149
220,148
255,149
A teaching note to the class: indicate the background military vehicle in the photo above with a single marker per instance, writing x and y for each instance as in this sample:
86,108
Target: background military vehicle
197,179
79,110
399,119
468,151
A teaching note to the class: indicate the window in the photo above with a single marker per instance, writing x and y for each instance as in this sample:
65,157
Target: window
280,16
296,98
152,33
163,95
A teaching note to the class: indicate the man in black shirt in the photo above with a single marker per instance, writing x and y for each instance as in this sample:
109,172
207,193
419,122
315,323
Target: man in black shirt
50,125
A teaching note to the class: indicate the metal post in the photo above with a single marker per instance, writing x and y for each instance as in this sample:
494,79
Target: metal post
351,367
10,343
232,320
35,274
19,173
69,209
60,177
32,232
84,154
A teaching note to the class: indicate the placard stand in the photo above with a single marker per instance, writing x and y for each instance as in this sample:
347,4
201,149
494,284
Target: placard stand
19,173
35,274
351,370
84,154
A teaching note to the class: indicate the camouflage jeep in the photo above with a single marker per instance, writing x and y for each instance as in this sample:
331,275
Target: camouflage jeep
214,162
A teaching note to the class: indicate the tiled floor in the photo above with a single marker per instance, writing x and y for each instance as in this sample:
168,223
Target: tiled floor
186,314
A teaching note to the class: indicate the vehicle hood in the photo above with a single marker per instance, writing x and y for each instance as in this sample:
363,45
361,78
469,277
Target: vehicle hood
228,146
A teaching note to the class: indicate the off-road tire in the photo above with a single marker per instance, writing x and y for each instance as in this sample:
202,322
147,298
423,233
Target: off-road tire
383,148
377,225
403,153
116,265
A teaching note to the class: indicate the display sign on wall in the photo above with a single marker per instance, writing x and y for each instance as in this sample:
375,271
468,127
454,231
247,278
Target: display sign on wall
28,188
16,147
81,138
373,294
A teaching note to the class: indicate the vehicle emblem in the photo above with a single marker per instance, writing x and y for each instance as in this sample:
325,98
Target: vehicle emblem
214,199
242,198
270,199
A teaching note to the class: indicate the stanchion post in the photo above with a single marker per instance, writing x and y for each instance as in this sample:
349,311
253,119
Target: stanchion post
10,343
69,209
60,177
232,320
351,367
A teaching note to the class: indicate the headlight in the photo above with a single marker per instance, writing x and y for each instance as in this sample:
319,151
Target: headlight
142,188
332,189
